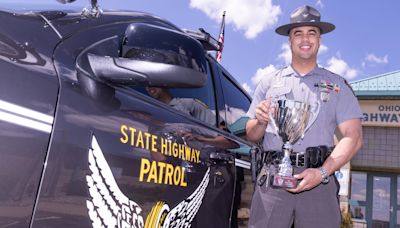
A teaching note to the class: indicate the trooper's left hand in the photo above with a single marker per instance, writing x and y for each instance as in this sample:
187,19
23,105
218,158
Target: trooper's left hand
309,178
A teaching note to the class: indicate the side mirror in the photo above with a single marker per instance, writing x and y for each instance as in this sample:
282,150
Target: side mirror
155,56
137,72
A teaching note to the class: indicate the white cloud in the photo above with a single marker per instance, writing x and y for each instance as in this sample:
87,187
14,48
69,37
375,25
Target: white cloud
372,58
250,16
286,54
322,49
337,65
319,3
261,72
247,88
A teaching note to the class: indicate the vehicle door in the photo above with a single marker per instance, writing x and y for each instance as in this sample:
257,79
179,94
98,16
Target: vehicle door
119,157
234,104
28,96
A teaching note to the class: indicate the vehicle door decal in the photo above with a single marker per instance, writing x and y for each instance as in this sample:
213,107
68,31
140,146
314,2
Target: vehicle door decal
156,170
22,116
181,215
109,207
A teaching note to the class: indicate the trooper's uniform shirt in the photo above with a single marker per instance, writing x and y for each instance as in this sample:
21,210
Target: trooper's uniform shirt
321,88
335,98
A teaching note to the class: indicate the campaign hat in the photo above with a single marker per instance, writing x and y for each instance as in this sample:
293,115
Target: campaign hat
305,16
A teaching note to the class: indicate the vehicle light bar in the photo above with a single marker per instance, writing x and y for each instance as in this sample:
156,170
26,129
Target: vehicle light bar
209,43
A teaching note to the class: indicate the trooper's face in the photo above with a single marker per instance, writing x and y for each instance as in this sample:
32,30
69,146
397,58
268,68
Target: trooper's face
304,43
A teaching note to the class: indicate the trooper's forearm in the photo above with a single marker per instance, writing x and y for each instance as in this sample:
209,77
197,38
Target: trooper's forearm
343,152
255,130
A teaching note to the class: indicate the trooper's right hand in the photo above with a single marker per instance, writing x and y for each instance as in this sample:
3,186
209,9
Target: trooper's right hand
263,110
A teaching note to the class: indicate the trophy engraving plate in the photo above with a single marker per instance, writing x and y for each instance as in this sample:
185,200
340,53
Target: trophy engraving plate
283,182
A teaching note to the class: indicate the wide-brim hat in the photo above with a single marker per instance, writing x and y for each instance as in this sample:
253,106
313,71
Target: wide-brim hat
305,16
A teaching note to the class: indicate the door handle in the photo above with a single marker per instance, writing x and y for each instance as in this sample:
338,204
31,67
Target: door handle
217,156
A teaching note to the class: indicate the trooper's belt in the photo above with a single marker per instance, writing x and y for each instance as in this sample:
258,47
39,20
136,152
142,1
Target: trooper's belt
312,157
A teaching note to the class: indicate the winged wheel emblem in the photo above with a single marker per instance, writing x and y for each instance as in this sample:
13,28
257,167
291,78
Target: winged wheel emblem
109,207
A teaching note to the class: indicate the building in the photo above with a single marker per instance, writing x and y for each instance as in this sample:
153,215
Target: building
374,185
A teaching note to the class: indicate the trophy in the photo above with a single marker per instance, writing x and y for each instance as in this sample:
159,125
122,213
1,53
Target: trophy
291,119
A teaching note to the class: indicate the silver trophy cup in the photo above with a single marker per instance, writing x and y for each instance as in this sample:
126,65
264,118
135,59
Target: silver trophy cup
290,120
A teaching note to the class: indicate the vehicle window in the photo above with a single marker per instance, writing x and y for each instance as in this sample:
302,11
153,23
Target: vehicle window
196,102
236,102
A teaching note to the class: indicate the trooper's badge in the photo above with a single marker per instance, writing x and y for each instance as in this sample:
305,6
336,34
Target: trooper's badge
325,89
324,96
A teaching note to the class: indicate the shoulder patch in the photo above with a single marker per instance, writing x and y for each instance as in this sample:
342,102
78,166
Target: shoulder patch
346,83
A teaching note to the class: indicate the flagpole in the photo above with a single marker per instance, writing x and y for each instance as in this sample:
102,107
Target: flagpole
218,55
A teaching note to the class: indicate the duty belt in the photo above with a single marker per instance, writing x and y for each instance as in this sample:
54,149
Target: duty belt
312,157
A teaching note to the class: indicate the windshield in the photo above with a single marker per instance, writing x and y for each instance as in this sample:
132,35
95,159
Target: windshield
41,5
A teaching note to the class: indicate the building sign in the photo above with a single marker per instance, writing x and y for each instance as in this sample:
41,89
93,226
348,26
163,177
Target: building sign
343,178
383,113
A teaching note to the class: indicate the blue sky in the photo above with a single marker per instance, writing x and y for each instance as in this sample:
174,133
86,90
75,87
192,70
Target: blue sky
365,43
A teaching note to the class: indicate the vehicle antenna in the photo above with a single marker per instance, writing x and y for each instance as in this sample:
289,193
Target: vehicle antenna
221,38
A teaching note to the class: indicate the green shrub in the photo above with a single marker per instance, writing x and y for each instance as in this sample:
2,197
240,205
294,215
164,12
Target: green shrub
346,220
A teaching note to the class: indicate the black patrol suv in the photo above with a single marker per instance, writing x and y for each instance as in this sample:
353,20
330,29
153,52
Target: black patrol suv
115,119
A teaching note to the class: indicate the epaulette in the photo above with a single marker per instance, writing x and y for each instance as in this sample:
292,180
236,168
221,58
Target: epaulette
323,68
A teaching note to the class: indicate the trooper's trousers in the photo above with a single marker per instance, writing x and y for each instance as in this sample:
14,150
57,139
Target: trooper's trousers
278,208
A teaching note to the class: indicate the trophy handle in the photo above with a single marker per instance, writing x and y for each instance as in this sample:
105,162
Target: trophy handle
271,117
314,112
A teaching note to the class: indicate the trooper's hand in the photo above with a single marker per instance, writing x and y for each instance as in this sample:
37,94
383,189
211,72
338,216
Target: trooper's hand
263,109
309,178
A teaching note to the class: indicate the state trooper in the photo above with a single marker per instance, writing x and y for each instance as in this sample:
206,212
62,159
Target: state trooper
314,201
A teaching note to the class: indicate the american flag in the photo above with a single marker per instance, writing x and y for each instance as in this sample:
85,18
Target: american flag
218,55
